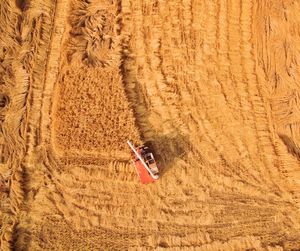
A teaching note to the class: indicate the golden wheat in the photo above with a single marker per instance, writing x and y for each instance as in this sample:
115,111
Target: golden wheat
212,86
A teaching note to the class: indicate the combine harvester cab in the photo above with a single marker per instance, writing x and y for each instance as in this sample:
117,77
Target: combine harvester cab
144,163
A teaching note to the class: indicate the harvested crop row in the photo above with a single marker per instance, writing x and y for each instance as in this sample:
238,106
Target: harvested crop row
24,36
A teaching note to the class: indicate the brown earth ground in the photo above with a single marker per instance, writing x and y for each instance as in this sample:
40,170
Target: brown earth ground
214,85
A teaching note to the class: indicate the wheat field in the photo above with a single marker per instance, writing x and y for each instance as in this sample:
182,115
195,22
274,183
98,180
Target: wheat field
212,85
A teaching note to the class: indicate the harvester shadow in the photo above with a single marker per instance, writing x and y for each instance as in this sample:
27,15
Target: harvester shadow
168,150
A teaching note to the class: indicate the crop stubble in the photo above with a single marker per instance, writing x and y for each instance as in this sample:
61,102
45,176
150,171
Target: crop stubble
213,85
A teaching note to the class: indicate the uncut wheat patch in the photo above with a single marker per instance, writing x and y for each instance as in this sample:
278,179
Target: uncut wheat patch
92,112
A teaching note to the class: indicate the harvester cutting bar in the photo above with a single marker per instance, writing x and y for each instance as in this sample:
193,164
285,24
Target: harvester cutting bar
142,160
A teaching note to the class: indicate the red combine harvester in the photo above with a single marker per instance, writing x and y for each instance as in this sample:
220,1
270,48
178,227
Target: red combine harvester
144,163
